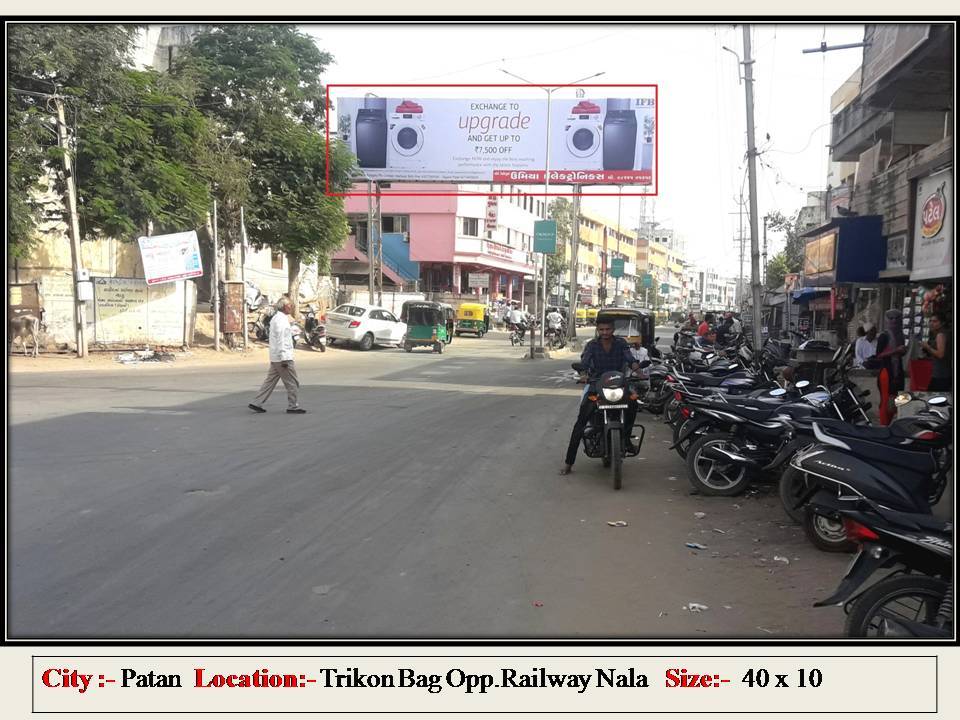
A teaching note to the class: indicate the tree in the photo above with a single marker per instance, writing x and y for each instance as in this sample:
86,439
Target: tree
777,269
139,143
560,210
78,62
794,245
261,83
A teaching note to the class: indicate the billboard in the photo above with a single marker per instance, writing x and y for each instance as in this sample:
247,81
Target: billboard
933,228
600,141
170,257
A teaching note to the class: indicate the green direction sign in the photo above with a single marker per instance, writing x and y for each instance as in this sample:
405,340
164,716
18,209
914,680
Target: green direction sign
545,236
647,280
664,289
616,267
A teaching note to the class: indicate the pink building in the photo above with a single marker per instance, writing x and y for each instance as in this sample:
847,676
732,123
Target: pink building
446,235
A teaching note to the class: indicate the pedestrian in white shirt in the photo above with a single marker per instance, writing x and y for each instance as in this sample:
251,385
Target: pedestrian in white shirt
281,362
866,346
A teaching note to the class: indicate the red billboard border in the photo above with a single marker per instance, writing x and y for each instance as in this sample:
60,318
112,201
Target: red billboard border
656,116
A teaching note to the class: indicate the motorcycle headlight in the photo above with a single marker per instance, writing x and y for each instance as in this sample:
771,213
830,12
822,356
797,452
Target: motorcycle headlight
613,394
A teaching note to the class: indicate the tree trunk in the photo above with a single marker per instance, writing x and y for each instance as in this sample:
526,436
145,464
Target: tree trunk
293,282
233,267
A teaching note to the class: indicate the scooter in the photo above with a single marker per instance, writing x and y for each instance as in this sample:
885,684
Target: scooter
314,330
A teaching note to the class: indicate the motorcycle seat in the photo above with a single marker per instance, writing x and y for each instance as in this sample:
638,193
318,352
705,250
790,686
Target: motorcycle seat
841,428
920,521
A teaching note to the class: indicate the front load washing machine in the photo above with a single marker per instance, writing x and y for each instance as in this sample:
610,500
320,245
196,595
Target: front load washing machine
407,136
619,135
584,135
370,137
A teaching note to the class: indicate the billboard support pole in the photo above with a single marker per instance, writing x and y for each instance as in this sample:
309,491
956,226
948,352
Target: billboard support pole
370,237
379,250
574,250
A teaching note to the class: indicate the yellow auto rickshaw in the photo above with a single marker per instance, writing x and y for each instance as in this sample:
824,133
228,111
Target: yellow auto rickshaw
581,317
592,316
471,318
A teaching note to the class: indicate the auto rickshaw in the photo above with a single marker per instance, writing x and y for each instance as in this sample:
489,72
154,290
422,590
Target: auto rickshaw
632,325
470,319
581,316
592,316
426,325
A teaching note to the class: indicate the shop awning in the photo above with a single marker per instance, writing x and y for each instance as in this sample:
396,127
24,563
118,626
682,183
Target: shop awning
807,294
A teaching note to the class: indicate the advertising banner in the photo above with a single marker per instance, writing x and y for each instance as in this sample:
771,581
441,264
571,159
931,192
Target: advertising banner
598,141
170,257
933,228
478,280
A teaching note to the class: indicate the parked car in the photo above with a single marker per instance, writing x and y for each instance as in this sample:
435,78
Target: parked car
367,325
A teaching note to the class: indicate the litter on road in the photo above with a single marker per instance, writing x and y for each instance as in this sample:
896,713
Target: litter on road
780,558
617,523
695,607
699,515
696,546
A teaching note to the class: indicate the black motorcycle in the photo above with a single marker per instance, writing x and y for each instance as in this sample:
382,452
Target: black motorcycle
315,331
603,435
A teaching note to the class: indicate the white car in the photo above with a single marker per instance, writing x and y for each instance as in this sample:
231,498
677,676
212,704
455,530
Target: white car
367,325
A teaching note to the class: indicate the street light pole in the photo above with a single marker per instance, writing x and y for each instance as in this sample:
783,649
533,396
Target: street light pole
546,201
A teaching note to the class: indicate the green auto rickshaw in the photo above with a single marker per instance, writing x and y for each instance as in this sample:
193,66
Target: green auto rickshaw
471,319
426,325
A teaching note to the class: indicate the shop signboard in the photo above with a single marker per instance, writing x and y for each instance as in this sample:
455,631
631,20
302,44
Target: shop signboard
545,236
490,222
897,252
478,280
886,46
933,228
609,140
818,254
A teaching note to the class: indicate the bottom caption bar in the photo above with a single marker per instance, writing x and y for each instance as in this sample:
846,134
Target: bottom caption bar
423,684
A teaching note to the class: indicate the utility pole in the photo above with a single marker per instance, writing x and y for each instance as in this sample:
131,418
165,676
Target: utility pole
216,281
79,274
371,269
574,251
764,266
243,273
752,170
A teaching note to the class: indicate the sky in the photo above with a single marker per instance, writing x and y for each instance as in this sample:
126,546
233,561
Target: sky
702,128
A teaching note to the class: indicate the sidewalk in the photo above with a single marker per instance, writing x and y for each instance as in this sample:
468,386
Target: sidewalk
106,360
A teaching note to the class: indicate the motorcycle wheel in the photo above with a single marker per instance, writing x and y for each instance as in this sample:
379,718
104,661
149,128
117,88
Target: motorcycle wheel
323,347
684,447
408,347
713,477
616,459
792,487
439,348
911,597
671,411
826,533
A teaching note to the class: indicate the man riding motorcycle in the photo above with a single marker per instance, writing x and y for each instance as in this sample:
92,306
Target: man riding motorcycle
604,353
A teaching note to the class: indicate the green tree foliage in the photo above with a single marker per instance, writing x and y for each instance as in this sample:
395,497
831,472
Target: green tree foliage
80,62
139,143
794,245
777,269
560,210
261,85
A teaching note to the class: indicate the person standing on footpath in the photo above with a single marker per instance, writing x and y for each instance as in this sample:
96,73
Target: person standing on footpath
938,350
281,362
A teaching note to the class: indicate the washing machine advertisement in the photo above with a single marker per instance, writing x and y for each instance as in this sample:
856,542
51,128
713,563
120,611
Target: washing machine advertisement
593,141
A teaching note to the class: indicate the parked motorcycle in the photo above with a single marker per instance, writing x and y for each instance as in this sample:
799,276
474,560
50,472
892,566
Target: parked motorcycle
315,331
603,435
904,465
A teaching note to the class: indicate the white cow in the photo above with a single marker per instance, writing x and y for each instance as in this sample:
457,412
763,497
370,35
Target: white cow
23,327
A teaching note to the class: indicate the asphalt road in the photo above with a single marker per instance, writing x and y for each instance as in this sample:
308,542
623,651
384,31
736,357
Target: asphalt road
418,498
